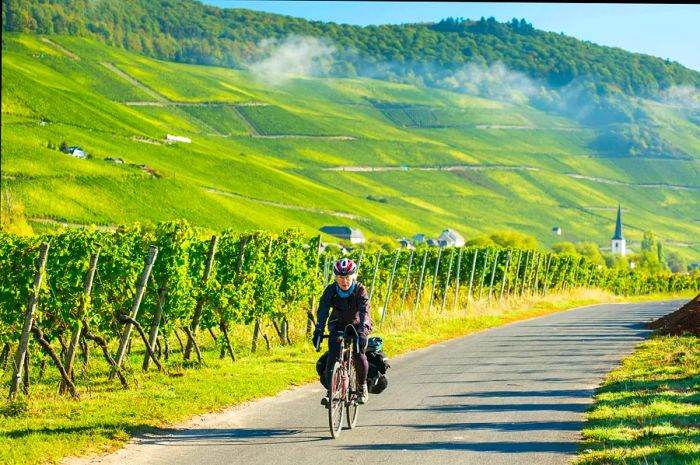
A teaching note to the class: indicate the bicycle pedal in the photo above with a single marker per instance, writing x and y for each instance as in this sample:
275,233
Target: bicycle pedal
325,402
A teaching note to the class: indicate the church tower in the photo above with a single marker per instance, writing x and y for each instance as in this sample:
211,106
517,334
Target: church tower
618,241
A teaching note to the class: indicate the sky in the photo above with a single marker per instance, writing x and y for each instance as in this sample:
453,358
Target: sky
662,30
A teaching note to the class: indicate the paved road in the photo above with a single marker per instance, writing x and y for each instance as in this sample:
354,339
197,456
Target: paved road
509,395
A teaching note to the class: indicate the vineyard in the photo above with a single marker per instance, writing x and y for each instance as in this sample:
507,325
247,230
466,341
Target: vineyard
269,120
85,287
426,116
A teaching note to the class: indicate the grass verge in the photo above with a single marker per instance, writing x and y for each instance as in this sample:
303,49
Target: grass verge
648,411
47,427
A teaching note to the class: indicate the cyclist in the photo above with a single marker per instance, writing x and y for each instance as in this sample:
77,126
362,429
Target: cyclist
350,303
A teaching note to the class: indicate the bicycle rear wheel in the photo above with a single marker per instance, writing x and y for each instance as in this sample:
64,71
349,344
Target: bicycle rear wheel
352,408
336,400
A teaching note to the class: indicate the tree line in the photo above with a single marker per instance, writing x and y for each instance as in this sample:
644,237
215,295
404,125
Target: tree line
190,32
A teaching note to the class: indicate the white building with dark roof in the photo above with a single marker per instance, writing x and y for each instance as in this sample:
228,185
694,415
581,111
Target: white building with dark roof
450,238
619,245
345,233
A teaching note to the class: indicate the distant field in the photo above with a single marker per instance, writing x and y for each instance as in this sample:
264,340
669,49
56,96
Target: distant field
66,93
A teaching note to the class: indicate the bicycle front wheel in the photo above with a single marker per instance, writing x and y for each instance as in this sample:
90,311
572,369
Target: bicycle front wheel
336,399
352,408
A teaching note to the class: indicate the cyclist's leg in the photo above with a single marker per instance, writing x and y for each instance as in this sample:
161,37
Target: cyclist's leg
361,367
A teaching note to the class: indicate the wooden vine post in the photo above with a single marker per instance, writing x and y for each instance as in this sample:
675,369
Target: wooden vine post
192,333
374,277
483,273
459,264
517,274
493,273
155,325
87,290
408,275
447,280
545,285
21,353
420,281
152,254
388,289
527,264
432,290
535,286
471,277
311,321
505,274
257,329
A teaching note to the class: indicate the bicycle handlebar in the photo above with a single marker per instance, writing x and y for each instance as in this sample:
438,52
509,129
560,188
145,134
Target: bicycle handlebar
356,338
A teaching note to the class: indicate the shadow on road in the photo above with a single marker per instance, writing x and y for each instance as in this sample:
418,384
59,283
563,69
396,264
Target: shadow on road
501,447
233,436
567,407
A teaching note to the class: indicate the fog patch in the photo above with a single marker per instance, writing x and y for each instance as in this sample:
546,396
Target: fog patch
493,81
682,96
294,56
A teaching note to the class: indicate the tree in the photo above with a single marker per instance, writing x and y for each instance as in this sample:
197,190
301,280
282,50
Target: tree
676,263
12,215
510,238
615,261
564,247
648,241
479,241
647,260
590,251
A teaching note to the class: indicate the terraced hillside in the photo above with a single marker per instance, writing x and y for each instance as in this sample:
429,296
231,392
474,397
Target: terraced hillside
318,151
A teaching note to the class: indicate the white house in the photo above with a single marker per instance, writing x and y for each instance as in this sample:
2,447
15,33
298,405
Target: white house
76,152
450,238
178,138
347,233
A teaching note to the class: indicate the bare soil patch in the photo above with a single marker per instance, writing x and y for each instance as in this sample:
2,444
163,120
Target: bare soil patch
685,319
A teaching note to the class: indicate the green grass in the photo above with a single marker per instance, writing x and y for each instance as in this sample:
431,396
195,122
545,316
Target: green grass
648,411
81,103
47,427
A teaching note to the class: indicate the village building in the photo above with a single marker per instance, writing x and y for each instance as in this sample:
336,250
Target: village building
450,238
346,233
178,138
619,245
76,152
405,243
419,238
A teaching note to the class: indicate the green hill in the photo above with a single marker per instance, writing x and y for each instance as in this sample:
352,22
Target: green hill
392,159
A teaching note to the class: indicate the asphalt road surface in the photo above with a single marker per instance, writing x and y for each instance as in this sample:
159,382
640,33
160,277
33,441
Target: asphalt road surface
508,395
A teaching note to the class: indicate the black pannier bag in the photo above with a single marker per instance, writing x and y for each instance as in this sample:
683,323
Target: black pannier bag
376,377
321,368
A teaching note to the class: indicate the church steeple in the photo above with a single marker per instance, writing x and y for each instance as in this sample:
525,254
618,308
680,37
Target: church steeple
619,245
618,226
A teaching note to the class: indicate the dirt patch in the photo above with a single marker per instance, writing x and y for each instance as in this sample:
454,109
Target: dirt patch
685,319
61,49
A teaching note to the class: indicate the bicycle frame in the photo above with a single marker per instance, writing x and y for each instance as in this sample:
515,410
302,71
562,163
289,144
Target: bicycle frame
342,391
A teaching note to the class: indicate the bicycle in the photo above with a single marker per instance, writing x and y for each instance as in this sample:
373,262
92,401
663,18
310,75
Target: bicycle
342,388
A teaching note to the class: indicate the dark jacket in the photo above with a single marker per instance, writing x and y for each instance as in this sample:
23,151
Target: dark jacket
354,309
